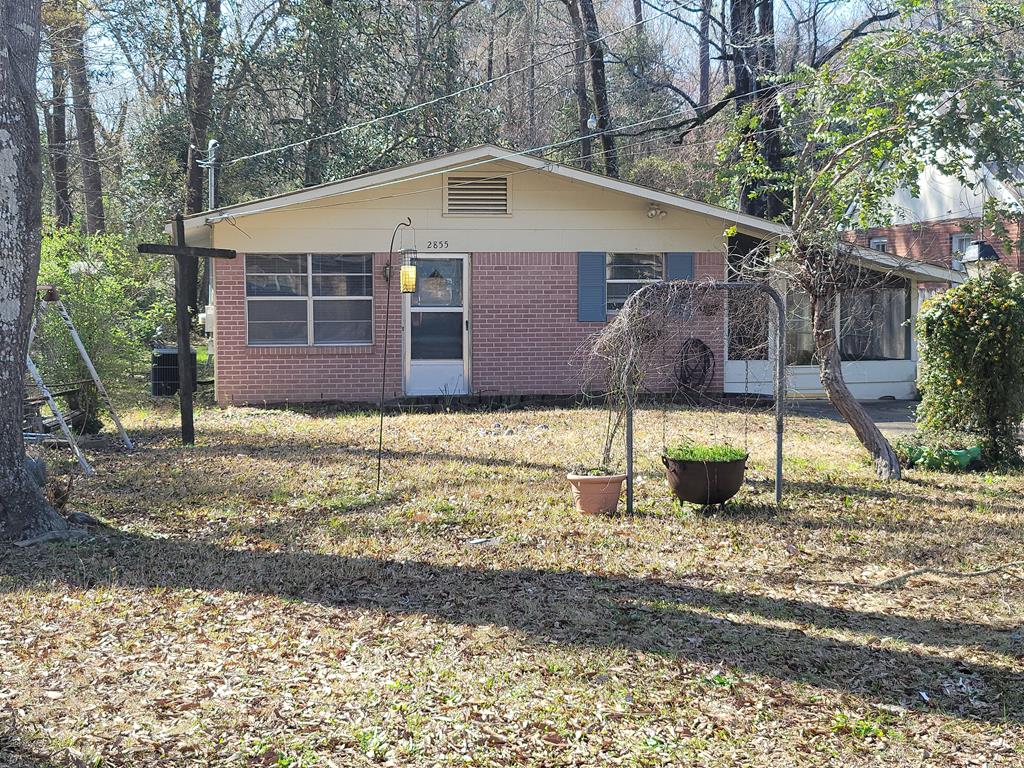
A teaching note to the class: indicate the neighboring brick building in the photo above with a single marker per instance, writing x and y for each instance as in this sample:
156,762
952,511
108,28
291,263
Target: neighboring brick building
937,224
519,261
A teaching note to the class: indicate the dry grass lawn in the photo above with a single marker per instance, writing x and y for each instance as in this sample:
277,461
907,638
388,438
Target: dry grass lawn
254,603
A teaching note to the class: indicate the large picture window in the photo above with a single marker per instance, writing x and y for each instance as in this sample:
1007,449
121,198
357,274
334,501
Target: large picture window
629,272
873,322
302,299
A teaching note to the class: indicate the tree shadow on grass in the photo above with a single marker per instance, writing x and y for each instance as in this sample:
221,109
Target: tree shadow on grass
231,443
570,608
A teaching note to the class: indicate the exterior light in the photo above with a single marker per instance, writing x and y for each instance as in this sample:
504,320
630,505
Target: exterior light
979,258
407,274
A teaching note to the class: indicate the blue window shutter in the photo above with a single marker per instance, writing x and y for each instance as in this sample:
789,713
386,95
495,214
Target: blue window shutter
592,301
679,266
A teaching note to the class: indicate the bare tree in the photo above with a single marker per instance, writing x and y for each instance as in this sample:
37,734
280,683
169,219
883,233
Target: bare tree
23,509
579,71
85,122
600,81
57,143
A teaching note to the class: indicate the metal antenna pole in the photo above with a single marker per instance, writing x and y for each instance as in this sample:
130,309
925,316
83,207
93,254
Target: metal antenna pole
387,326
209,162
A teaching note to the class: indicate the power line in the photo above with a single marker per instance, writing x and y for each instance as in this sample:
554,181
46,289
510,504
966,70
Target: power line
439,99
475,163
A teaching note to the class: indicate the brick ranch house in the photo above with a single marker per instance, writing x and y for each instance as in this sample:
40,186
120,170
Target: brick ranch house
519,261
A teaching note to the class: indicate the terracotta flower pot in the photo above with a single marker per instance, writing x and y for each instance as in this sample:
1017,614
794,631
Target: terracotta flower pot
704,482
596,494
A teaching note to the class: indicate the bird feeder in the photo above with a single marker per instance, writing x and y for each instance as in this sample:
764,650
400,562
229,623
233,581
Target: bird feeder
407,274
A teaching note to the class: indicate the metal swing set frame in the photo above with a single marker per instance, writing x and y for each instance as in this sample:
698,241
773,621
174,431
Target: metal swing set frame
50,297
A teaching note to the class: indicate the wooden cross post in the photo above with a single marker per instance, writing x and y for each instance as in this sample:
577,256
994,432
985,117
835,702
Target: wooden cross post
182,253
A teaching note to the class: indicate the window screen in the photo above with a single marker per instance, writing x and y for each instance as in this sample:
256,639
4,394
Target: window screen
629,272
301,299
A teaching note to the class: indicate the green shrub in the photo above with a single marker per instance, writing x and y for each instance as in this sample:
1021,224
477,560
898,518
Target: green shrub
701,452
972,363
120,302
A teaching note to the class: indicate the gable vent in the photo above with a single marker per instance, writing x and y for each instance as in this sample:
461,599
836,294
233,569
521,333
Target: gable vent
476,195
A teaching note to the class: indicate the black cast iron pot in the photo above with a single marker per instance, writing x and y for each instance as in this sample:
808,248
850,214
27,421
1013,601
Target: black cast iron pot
704,482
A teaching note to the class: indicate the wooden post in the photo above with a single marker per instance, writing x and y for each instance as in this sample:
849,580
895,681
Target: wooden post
184,321
185,257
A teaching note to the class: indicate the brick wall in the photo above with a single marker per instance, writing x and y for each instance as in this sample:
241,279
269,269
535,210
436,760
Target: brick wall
931,242
524,333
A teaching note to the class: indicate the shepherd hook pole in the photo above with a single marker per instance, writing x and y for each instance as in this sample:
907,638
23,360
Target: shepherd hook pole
384,362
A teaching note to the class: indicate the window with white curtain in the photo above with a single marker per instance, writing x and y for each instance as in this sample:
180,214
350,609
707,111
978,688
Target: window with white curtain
629,272
874,321
311,298
799,331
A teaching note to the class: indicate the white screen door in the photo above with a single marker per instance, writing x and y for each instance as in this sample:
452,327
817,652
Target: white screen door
436,327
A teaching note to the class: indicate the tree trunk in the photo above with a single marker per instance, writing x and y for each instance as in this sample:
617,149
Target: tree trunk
638,13
200,108
579,71
767,100
23,509
92,182
200,112
597,73
533,20
704,55
831,370
57,141
752,27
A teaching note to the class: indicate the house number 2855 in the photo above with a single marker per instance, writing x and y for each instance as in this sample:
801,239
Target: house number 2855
436,245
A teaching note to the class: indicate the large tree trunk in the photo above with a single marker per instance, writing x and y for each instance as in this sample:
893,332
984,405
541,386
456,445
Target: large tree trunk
704,55
752,27
57,142
23,509
200,108
831,370
579,71
92,183
201,104
597,74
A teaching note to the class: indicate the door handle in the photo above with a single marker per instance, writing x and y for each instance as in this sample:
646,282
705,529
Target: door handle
467,325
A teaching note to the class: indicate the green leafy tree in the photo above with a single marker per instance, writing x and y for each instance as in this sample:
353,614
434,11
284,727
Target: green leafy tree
858,128
972,363
120,303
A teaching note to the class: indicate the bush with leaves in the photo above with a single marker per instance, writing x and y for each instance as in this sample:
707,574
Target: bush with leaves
972,364
119,301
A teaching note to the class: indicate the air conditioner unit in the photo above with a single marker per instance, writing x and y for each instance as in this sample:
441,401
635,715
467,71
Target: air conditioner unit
209,319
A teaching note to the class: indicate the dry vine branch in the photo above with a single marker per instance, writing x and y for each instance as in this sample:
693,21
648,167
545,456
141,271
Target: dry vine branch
633,351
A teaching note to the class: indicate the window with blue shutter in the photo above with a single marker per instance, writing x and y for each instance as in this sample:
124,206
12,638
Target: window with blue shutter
590,287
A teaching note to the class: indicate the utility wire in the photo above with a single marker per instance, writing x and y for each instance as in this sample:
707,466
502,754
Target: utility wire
439,99
465,166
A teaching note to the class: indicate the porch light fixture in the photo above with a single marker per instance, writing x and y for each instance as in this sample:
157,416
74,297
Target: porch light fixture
655,212
979,258
407,274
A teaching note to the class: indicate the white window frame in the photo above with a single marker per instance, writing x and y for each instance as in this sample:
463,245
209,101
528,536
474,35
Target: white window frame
609,281
961,237
310,300
873,242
